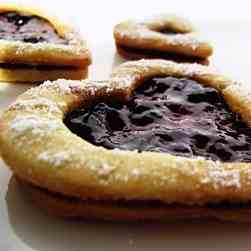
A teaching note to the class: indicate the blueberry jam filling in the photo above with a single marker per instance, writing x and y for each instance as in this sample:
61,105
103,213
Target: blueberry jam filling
28,28
171,115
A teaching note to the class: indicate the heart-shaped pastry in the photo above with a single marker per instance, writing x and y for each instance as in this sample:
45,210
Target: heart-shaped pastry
162,37
158,140
35,47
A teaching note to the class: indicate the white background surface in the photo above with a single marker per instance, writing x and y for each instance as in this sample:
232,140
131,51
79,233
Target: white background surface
23,227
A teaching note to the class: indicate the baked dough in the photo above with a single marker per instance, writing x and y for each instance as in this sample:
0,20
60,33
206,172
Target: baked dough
34,75
62,206
144,39
139,54
41,150
60,59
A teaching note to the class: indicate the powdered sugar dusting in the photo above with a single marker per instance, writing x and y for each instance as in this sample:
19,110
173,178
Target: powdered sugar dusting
189,40
242,90
55,159
66,87
166,20
163,66
123,152
124,76
63,86
225,178
76,46
123,82
214,174
192,70
44,104
37,125
221,177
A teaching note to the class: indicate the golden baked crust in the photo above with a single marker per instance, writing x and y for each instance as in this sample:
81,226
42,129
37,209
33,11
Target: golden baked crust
145,35
177,58
62,206
41,150
75,53
31,75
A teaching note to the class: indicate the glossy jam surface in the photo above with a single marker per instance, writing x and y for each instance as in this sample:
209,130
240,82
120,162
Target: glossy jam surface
27,28
171,115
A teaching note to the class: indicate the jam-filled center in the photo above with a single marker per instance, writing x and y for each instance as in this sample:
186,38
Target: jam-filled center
16,26
171,115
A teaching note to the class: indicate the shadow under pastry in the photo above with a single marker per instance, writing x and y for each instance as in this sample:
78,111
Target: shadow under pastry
41,232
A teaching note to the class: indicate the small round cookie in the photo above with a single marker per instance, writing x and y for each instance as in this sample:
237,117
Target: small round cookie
162,37
155,132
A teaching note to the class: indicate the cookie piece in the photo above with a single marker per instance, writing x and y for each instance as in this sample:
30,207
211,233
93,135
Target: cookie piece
35,47
162,37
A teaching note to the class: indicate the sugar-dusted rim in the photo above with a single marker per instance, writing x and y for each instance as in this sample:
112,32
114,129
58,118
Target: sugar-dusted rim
145,35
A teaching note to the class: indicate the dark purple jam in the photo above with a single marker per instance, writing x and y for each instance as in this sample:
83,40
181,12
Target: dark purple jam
27,28
171,115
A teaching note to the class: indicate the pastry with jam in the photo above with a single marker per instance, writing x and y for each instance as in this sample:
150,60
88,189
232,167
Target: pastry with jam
35,47
162,37
157,141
